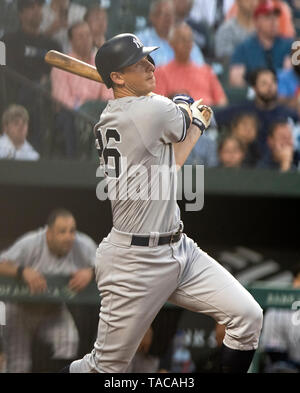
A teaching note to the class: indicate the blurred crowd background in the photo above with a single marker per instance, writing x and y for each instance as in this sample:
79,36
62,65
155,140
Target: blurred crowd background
240,56
243,58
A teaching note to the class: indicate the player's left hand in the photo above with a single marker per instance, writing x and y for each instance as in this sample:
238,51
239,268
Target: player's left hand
202,115
81,279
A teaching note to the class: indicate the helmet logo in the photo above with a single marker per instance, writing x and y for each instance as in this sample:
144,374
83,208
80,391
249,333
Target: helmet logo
137,42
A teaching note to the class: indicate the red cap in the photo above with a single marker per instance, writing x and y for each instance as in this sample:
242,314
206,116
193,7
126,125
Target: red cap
266,7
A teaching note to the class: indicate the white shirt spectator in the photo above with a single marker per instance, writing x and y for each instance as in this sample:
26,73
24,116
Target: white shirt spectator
9,151
76,13
206,10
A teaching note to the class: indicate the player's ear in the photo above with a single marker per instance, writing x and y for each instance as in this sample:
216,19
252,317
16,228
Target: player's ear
117,78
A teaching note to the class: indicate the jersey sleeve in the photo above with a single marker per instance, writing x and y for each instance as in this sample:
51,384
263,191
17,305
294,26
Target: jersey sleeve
85,251
20,252
159,121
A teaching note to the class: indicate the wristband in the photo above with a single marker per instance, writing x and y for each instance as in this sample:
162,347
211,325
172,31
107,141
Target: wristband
199,124
20,273
183,99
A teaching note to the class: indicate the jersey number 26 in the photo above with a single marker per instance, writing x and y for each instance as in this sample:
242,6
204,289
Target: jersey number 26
111,170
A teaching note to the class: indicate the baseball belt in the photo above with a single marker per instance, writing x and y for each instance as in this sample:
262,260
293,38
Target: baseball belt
145,240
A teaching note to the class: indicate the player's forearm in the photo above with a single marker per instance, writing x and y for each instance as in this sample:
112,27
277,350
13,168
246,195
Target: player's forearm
8,268
183,149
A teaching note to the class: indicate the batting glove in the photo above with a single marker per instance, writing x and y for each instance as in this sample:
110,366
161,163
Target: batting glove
201,114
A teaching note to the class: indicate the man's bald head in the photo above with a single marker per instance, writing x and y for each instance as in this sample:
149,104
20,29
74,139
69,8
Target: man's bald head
181,39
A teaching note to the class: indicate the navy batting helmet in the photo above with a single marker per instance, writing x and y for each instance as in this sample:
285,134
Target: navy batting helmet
120,51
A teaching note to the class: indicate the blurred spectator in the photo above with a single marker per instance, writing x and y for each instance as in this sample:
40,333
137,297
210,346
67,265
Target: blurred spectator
235,30
266,48
280,338
143,361
265,106
244,127
58,16
182,360
295,7
162,18
182,9
9,20
96,17
289,82
25,52
2,356
155,350
13,143
72,91
203,34
26,48
210,359
204,152
281,148
286,22
231,152
57,249
210,11
181,75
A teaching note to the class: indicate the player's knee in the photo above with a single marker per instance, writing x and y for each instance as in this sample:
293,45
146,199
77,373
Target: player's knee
252,320
243,330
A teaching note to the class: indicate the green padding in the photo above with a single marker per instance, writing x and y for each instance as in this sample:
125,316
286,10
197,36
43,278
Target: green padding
275,297
58,291
217,181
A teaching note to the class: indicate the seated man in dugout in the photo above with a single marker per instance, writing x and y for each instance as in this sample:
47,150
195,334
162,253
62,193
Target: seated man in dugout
57,249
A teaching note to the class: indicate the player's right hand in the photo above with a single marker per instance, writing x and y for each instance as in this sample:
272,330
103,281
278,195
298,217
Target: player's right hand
35,281
202,115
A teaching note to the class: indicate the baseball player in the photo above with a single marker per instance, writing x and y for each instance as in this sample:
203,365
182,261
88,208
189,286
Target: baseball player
56,249
146,259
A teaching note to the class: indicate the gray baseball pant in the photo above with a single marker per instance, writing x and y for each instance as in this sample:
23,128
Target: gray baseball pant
136,281
52,323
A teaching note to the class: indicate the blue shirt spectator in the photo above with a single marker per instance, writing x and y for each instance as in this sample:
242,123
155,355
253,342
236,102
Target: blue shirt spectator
253,55
266,107
266,118
204,153
162,19
266,48
288,83
149,37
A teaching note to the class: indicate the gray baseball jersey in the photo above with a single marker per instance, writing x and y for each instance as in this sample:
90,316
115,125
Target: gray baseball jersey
32,250
134,137
281,332
136,281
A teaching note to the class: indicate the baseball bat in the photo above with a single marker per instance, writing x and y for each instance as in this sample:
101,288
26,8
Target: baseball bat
70,64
